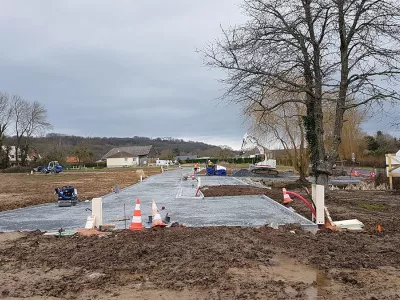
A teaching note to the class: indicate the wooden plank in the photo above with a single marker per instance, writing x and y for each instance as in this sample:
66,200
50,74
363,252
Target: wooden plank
120,219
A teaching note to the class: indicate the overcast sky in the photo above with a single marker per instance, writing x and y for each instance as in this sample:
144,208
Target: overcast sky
122,68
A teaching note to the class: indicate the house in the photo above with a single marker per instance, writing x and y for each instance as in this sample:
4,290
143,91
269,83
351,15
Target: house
163,162
33,156
72,159
130,156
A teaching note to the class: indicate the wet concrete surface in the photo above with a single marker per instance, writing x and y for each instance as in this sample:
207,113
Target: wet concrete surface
163,188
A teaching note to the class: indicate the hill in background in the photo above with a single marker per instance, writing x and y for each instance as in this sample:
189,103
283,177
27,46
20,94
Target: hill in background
67,145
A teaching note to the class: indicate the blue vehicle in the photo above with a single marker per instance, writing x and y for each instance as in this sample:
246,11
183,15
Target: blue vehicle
67,196
215,170
52,167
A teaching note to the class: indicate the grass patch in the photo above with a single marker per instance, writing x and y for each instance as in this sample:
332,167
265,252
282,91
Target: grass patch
372,206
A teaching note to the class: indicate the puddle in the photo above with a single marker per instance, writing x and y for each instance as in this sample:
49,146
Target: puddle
288,269
291,271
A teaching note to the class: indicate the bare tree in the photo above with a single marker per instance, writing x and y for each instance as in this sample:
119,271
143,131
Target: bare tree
29,119
36,123
5,115
313,47
19,111
352,134
285,127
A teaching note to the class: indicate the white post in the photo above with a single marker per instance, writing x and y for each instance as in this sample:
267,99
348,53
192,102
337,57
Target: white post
97,210
162,170
320,203
141,178
390,172
313,197
198,182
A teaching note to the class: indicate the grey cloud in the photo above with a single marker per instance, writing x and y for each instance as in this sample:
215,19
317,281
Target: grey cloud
119,68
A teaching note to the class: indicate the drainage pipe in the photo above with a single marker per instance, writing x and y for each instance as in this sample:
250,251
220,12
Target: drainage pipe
197,192
304,200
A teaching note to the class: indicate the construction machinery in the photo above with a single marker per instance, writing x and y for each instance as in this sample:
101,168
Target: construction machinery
215,170
67,196
265,167
52,167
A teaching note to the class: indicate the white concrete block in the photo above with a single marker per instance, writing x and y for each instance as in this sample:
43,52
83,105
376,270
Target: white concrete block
90,222
97,210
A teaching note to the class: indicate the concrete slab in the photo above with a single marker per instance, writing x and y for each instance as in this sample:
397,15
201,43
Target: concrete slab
163,188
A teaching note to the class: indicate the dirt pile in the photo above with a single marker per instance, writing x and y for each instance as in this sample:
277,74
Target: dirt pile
232,190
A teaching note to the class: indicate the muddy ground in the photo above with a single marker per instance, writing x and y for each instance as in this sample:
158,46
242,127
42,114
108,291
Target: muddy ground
216,263
232,190
21,190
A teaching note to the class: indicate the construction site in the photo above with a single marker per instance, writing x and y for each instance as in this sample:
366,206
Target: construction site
178,234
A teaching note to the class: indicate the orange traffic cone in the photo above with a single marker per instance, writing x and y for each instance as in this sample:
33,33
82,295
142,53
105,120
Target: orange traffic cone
286,197
137,218
157,221
379,228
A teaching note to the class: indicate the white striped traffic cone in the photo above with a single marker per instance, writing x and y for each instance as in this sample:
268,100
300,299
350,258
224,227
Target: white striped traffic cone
157,221
137,218
286,197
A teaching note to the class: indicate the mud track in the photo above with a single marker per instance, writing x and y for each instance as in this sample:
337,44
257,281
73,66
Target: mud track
216,263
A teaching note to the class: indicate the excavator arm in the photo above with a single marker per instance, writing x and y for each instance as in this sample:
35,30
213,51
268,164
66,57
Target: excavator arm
249,141
268,166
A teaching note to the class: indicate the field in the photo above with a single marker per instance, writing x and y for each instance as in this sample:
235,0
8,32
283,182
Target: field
21,190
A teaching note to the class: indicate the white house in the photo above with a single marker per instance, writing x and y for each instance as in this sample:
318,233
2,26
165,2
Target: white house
122,159
162,162
129,156
12,155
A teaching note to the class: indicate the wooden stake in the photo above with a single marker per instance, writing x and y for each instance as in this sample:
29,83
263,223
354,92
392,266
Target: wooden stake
390,171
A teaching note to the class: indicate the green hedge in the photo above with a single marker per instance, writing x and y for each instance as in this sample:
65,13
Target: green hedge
99,165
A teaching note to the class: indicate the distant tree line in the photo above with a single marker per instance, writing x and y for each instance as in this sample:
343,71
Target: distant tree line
56,146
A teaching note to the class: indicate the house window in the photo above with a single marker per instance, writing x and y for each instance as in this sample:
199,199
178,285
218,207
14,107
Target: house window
12,156
126,159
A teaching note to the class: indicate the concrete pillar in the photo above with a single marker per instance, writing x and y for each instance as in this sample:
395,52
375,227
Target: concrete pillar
117,188
320,203
97,210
